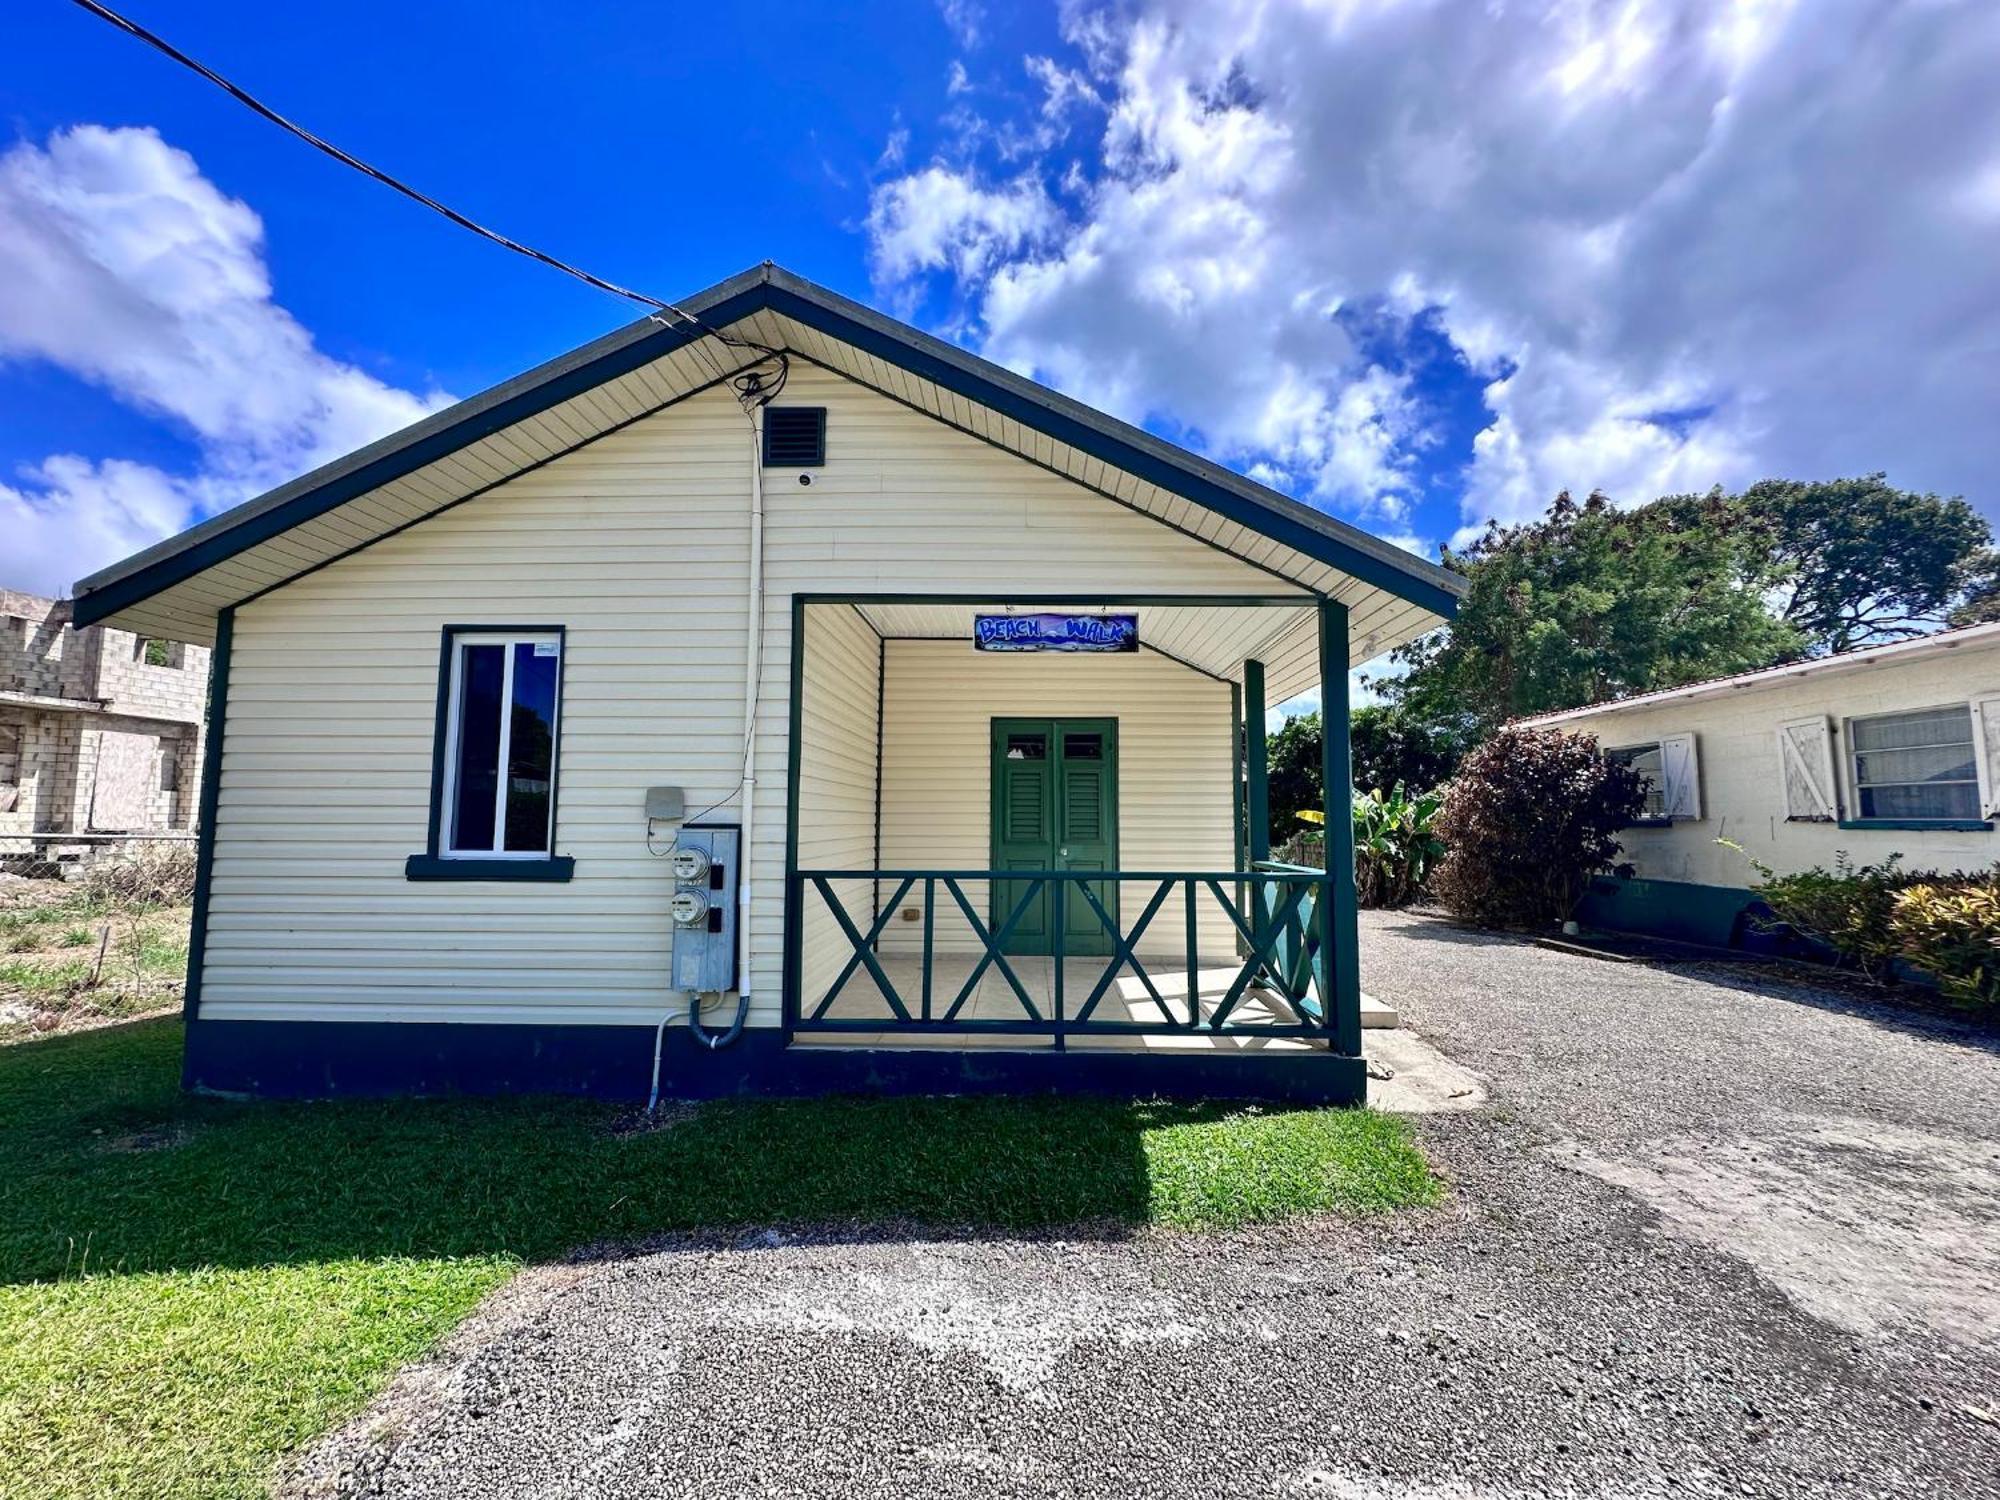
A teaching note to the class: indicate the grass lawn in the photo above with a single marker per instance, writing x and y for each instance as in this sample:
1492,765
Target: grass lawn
70,959
190,1287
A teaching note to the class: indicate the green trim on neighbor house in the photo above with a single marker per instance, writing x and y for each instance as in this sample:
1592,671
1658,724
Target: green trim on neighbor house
1681,910
211,796
1917,825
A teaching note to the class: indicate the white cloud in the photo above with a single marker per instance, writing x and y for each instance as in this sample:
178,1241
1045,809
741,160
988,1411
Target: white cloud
937,219
963,18
129,269
1702,241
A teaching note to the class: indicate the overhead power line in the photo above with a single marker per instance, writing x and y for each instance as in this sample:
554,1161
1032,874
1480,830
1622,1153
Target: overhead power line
319,143
751,384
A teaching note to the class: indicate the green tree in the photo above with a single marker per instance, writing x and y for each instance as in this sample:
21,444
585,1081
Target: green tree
1293,755
1593,602
1854,561
1390,749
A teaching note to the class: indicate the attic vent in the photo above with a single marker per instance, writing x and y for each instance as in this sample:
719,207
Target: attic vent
794,437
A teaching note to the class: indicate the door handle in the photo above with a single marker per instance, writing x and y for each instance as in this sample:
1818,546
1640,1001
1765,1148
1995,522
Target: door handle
1062,854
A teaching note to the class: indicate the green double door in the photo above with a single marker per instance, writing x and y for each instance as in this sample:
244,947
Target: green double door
1055,807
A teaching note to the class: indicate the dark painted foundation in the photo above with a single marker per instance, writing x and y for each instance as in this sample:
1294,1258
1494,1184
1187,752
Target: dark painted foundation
327,1059
1715,915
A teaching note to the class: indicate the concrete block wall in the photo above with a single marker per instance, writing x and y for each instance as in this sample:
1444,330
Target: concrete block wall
53,775
41,654
129,685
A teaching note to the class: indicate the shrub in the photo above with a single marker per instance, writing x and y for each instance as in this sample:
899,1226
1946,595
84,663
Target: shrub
1395,845
1531,815
1846,907
1951,930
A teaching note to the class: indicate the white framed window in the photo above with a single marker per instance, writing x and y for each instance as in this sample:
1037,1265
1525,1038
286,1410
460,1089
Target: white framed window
499,749
1672,775
1918,766
1645,759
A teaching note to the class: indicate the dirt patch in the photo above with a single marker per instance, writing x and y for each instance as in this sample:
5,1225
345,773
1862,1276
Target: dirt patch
71,960
1865,1223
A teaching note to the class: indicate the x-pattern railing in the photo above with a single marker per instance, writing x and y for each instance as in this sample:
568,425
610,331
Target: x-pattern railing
1275,911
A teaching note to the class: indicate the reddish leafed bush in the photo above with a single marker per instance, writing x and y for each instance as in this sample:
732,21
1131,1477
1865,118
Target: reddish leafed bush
1531,815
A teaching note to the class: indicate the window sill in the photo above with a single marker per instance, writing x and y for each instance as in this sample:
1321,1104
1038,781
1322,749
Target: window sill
1651,823
432,867
1917,825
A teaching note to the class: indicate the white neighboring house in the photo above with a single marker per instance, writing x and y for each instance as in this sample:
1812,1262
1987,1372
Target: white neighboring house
1889,750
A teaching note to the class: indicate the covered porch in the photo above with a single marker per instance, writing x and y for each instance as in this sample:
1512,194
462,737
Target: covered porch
1066,853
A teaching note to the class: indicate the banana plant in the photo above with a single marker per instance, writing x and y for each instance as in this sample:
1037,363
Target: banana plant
1394,847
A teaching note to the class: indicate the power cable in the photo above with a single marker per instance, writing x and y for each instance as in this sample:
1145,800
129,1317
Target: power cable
751,388
753,385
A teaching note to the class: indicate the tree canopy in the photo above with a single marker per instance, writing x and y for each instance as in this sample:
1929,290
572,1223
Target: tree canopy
1854,561
1594,602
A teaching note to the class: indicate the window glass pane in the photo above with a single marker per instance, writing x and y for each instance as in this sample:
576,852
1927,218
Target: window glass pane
1027,747
531,748
1937,726
1083,747
1942,763
1645,759
477,769
1916,765
1941,800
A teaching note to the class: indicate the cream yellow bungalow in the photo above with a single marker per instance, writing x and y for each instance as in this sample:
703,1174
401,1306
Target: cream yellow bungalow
660,721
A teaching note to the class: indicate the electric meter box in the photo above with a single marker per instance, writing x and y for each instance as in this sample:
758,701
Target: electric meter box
703,907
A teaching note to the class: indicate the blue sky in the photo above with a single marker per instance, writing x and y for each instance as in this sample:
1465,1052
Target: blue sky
1420,263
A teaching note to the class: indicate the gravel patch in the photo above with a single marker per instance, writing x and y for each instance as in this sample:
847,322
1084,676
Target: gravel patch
1605,1307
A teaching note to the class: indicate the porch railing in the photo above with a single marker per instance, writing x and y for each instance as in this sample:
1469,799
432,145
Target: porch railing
1277,911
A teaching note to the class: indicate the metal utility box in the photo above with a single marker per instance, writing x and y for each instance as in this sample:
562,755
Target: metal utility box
703,907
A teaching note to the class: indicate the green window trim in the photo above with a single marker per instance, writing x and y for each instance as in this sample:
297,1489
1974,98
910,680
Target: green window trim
436,865
1916,825
557,870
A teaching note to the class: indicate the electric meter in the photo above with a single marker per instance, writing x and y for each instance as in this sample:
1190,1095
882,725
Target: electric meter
702,909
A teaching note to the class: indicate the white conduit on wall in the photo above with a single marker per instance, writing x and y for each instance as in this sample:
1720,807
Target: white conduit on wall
753,663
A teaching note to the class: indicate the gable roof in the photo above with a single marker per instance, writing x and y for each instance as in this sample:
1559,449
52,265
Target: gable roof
177,587
1892,654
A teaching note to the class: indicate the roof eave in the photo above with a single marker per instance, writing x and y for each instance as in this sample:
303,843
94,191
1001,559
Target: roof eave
1313,533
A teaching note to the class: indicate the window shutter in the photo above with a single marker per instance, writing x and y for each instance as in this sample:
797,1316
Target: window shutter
1986,753
1805,754
1680,777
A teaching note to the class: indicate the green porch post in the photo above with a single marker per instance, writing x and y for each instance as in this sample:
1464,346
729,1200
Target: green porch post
1257,790
1340,956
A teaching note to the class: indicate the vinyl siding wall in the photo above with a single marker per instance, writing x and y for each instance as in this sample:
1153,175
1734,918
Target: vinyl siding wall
637,543
838,725
1173,772
1742,786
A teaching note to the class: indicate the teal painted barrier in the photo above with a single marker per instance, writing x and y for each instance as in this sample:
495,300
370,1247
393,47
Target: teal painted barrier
1676,909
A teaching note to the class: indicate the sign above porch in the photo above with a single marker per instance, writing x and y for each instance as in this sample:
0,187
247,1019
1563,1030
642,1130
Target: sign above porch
1053,632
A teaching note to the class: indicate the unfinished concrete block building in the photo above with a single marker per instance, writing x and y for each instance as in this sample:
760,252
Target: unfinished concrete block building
100,733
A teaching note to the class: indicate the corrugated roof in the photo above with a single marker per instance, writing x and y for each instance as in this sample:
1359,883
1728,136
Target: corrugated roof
1721,687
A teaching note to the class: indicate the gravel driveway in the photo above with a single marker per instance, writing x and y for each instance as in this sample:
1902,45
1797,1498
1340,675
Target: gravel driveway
1711,1236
